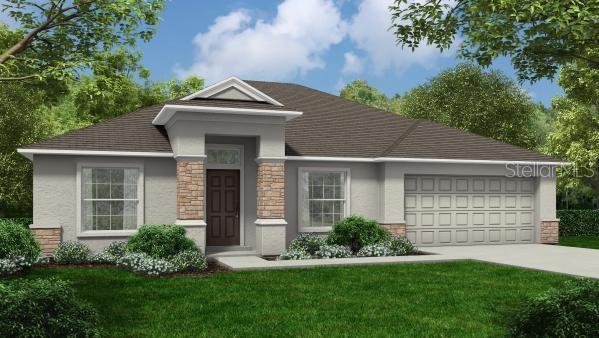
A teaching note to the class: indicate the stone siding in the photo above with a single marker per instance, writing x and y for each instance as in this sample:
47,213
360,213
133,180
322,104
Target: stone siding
549,232
397,229
190,190
48,238
270,192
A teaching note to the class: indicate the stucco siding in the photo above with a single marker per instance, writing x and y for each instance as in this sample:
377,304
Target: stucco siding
55,192
364,190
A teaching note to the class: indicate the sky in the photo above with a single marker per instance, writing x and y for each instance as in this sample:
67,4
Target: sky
323,44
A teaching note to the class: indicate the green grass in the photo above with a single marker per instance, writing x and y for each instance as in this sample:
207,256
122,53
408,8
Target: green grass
591,242
448,299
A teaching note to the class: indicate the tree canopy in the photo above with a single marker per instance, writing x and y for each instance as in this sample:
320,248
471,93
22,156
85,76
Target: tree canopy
486,103
360,91
538,35
57,38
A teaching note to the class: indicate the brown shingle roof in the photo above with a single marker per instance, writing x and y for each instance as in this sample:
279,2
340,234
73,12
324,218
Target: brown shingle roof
330,126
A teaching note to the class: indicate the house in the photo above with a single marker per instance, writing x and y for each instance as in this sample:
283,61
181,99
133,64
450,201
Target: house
247,165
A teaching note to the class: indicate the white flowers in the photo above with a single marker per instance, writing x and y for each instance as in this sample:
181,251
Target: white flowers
294,254
333,251
142,263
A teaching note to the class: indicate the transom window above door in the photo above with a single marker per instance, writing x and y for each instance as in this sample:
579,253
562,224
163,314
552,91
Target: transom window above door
323,197
224,156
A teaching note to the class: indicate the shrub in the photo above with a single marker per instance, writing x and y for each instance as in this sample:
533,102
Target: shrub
102,257
569,311
44,308
401,246
160,241
307,242
376,250
116,248
17,241
8,266
145,264
578,222
334,251
71,252
190,260
22,221
294,254
356,232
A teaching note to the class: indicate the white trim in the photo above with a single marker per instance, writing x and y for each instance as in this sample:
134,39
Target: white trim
169,110
191,222
416,160
240,167
237,84
280,159
300,197
140,198
270,221
189,158
30,152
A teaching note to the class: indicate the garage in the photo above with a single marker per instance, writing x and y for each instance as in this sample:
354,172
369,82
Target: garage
466,210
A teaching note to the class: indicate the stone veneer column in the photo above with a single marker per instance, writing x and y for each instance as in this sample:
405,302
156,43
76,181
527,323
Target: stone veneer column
550,232
47,237
191,198
270,207
397,229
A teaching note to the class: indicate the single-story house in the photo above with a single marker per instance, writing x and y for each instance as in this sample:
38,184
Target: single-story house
247,165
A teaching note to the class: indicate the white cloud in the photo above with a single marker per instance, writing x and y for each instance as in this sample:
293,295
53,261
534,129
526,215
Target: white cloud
369,30
353,64
292,44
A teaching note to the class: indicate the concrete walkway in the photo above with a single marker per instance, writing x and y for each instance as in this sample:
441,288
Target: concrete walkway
554,258
560,259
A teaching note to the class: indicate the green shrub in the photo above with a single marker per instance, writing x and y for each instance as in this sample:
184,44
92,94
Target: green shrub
160,241
401,246
71,252
578,222
308,242
356,232
116,248
569,311
190,260
44,308
17,241
23,221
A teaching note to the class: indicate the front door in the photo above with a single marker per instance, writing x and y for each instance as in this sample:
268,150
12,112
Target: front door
222,207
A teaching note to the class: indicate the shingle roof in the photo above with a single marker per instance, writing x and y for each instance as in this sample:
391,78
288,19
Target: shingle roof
330,126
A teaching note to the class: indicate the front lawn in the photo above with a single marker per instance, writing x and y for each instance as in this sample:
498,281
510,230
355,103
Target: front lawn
591,242
449,299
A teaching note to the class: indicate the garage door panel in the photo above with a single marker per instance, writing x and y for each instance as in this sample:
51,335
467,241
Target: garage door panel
444,210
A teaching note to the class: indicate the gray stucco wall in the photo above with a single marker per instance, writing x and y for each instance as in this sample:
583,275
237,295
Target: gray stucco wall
364,190
55,192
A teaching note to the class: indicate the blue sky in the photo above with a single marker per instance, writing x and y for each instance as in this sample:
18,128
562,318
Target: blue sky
323,44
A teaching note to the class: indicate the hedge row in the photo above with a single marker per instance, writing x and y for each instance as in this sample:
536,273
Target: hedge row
578,222
24,221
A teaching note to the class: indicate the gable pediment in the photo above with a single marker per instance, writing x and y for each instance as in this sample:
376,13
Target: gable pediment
233,89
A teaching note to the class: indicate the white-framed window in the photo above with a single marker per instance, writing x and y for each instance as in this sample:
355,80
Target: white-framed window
323,197
110,198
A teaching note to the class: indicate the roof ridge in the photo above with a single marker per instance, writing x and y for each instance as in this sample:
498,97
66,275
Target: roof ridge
400,138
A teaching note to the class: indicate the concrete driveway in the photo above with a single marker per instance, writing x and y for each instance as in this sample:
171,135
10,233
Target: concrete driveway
560,259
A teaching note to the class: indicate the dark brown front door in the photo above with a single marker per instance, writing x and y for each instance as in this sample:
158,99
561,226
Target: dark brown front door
222,204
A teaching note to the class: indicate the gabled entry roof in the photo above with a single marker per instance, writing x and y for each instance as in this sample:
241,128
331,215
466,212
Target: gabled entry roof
330,126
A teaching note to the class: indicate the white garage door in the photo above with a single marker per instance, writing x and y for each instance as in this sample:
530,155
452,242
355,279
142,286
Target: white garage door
463,210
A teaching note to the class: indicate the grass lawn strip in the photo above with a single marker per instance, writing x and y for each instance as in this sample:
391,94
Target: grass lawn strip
591,242
443,299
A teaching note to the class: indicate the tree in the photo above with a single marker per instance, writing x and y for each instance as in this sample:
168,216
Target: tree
360,91
57,38
538,35
575,132
484,103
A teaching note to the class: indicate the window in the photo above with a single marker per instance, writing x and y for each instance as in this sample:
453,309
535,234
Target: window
223,156
323,196
110,198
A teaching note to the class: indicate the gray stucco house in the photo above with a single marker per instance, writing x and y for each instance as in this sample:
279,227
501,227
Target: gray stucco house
247,165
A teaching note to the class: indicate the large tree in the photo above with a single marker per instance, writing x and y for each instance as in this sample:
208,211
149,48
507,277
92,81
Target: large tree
538,35
483,102
360,91
57,38
575,132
